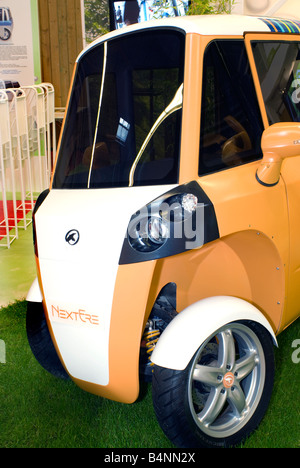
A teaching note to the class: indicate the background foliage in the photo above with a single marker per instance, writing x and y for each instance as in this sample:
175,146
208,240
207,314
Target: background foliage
209,7
96,18
97,13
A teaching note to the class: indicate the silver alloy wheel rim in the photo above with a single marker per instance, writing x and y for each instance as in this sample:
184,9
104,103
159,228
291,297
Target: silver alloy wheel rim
226,380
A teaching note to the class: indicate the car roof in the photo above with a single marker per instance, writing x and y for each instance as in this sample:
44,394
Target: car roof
212,25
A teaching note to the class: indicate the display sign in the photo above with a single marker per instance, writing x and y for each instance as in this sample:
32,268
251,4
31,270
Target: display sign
19,42
124,13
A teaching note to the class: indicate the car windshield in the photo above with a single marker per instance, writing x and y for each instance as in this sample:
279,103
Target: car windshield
123,122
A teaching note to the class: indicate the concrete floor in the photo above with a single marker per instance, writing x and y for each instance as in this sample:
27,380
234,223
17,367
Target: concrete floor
17,268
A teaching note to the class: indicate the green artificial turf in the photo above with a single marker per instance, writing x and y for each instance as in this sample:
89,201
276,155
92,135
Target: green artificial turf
39,411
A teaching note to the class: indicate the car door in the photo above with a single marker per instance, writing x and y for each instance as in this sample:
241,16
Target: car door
252,220
275,62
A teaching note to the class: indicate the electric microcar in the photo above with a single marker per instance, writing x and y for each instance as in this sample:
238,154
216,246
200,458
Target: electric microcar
6,23
167,245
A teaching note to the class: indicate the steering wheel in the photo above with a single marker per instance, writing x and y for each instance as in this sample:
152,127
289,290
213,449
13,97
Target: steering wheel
235,145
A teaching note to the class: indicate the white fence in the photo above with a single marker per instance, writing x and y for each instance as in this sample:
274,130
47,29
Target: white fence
27,153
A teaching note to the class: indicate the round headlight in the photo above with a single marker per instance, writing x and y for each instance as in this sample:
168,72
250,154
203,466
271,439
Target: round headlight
158,230
189,202
147,234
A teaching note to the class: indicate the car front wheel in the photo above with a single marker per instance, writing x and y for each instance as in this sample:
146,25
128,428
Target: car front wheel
223,394
40,342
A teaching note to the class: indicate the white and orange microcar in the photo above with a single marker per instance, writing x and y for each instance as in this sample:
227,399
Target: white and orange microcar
167,245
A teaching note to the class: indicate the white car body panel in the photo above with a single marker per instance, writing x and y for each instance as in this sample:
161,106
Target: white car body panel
191,327
235,25
34,294
78,280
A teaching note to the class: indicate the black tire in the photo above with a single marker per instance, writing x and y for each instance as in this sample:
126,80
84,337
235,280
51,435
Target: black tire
6,35
40,341
203,405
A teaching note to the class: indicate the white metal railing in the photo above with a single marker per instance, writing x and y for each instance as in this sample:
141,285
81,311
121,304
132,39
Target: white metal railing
8,219
27,153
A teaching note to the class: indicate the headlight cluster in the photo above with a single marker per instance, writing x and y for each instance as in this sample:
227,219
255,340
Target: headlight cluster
170,224
147,233
154,224
157,230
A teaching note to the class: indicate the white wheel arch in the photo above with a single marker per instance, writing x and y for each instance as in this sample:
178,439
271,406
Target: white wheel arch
34,294
191,327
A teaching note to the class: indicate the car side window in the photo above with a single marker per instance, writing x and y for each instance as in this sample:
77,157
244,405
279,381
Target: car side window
231,123
278,68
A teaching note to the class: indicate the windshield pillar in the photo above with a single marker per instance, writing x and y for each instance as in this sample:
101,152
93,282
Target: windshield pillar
192,93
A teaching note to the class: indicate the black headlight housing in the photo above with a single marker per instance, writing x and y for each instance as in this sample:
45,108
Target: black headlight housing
179,220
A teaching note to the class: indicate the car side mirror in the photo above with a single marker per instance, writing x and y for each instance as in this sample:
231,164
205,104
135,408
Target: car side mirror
279,141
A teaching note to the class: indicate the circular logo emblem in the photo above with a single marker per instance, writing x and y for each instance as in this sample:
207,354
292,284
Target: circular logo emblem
228,380
72,237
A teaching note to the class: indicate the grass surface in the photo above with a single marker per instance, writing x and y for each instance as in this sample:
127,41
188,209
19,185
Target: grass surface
40,411
17,268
